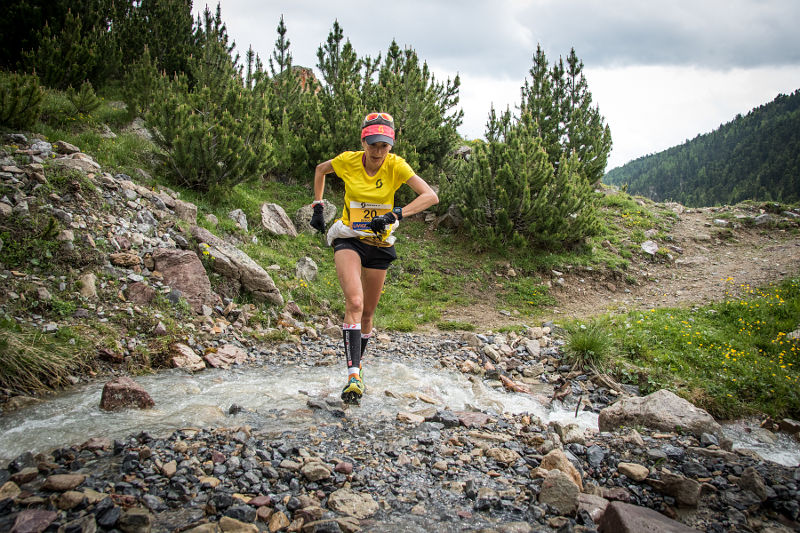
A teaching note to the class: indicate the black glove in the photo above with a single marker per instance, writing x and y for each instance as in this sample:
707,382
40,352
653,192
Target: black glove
317,220
379,223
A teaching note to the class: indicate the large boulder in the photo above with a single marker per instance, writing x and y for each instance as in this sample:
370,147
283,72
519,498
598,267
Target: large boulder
661,410
123,392
230,262
183,270
275,220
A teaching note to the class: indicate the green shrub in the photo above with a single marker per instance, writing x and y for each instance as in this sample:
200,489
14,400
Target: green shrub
85,100
20,100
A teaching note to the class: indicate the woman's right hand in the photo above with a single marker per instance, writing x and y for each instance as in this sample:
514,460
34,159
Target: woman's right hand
317,219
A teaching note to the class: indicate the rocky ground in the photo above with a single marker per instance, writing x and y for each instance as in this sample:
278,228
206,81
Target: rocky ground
427,468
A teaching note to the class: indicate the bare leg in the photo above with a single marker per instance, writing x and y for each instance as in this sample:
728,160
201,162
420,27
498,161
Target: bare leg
372,282
348,269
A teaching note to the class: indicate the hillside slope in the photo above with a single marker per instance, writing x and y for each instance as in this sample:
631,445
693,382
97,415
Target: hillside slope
712,252
755,157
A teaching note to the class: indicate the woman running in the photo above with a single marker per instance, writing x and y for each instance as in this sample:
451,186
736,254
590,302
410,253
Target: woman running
362,240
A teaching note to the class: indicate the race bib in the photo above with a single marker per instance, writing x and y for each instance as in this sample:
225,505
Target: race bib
362,212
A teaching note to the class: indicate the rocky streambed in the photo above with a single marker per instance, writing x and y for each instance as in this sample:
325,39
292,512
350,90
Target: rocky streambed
412,458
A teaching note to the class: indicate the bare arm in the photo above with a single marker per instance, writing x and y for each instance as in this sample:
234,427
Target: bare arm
320,172
426,196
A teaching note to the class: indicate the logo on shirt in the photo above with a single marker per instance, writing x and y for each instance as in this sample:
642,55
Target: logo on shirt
379,183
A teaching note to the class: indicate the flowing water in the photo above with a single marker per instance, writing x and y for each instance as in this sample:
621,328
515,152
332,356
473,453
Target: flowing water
275,400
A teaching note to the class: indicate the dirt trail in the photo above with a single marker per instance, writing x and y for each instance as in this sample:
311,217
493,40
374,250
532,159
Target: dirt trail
708,261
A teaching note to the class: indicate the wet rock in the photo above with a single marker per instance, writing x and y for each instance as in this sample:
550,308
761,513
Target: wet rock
9,490
124,392
560,492
661,410
556,460
685,491
26,475
626,518
63,482
751,480
445,417
241,513
33,521
135,520
348,502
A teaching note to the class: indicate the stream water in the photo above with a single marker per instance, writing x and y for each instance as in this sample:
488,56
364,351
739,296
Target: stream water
274,399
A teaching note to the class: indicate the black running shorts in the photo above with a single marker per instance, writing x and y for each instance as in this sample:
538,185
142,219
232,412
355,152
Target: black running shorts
376,257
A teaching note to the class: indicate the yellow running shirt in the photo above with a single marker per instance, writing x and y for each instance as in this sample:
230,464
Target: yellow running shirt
368,196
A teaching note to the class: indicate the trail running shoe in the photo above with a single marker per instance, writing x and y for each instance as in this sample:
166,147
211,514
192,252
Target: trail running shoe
351,393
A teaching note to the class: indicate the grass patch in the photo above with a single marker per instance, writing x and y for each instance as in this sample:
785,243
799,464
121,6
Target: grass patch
731,358
32,362
528,295
455,325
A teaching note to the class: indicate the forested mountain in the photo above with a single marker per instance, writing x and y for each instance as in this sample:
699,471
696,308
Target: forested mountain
753,157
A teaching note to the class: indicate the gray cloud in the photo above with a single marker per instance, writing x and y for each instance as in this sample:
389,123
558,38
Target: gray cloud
498,38
718,34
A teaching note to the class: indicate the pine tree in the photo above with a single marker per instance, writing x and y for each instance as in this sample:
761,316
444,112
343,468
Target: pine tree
214,131
139,89
163,26
288,112
340,98
425,122
559,100
496,193
20,100
74,53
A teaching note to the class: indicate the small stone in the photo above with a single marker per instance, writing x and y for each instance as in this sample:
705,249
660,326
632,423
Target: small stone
634,471
63,482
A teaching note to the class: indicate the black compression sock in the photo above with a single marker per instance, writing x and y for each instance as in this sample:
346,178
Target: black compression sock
352,345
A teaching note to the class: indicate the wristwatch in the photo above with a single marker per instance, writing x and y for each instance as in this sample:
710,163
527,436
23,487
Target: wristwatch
398,212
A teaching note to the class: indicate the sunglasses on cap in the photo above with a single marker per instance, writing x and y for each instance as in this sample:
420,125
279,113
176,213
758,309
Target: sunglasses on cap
375,116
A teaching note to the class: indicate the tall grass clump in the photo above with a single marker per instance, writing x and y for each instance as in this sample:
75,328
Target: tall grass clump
587,346
33,362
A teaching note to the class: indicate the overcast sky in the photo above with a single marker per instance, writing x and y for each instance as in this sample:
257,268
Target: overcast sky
661,71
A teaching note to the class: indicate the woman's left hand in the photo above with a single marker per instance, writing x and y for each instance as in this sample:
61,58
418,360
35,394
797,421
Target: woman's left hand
379,223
